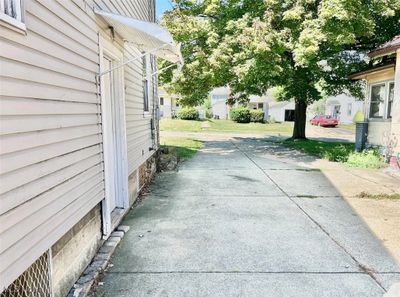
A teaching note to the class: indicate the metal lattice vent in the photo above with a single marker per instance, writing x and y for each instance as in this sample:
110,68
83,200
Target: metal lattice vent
34,282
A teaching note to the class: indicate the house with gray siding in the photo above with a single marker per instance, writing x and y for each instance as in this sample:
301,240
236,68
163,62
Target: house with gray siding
78,131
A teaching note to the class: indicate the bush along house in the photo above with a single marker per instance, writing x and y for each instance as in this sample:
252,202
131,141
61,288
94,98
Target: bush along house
79,131
382,100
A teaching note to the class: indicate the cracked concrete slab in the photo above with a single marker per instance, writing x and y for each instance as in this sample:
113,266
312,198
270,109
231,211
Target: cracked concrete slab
350,231
225,233
388,279
239,284
303,183
221,226
218,182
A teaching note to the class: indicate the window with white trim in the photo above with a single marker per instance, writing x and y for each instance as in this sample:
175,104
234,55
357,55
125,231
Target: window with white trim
390,100
11,12
145,84
218,98
349,108
381,100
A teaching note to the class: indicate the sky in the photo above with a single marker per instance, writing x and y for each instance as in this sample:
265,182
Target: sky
161,6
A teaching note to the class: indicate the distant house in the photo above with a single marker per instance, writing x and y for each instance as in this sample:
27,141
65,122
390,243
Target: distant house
343,107
382,98
220,108
78,132
282,111
169,105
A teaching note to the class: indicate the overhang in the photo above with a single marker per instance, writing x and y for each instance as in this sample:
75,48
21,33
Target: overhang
363,74
387,48
146,36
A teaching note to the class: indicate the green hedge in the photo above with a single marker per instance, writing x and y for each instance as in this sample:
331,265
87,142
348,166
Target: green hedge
240,115
188,113
257,116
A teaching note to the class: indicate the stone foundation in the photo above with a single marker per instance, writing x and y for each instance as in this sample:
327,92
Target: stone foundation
74,251
147,171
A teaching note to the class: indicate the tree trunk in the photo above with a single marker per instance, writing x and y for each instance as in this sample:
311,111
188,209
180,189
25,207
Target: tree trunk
299,130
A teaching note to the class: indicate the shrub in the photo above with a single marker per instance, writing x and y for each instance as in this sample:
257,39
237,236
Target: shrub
358,117
257,116
272,120
209,114
365,159
188,113
240,115
338,153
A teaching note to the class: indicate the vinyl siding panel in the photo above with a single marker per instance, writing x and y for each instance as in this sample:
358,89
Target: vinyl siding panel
51,155
378,132
138,123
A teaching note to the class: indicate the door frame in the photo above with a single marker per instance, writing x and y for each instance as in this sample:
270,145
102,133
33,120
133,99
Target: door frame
109,49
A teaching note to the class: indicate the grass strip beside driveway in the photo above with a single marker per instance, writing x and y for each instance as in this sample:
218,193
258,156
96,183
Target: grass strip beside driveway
185,147
225,126
343,152
332,151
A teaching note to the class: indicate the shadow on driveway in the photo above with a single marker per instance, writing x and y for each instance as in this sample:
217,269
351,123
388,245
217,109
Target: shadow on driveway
244,217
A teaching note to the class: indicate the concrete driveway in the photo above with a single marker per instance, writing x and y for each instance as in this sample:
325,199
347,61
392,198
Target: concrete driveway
237,221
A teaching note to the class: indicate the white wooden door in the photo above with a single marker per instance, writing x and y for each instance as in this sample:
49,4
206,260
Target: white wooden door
114,133
110,127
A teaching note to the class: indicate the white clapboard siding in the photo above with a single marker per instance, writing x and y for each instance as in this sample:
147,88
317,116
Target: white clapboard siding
9,219
46,46
27,55
51,156
42,28
27,72
23,141
62,20
11,236
25,123
25,106
20,159
54,228
11,87
33,189
36,171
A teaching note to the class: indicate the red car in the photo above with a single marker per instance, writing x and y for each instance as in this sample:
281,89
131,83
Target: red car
324,121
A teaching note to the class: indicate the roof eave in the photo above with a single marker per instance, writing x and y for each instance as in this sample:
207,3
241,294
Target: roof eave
363,74
383,52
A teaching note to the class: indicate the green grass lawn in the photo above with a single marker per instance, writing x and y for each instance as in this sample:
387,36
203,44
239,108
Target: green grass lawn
332,151
180,125
225,126
338,152
185,147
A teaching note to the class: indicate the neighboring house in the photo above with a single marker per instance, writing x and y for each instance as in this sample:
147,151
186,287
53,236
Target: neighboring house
343,107
168,104
220,109
78,132
282,111
382,99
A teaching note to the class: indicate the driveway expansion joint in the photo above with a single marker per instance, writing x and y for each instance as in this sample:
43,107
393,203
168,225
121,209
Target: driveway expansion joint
240,272
370,272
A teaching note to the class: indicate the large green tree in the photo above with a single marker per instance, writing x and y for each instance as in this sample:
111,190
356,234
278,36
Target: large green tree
304,49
